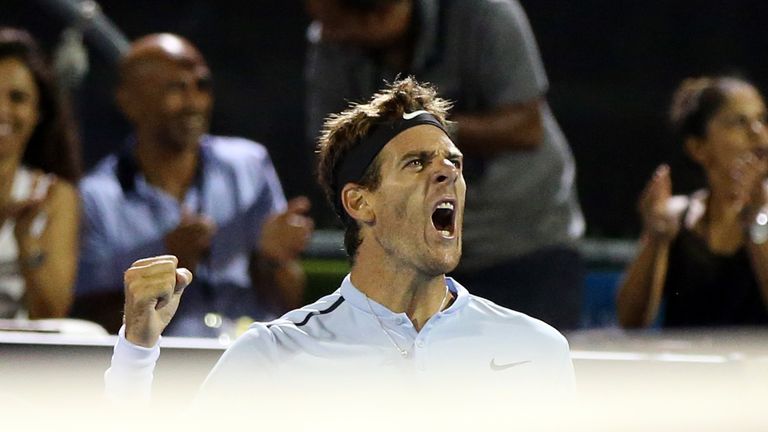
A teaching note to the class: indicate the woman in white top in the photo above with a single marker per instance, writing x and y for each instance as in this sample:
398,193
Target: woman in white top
39,165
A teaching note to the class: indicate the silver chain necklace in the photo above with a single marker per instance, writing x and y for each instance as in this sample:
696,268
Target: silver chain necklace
403,353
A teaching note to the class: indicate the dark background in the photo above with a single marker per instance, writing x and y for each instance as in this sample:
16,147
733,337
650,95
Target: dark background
612,64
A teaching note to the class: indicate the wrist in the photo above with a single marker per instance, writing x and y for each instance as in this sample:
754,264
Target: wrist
272,261
757,228
32,260
655,237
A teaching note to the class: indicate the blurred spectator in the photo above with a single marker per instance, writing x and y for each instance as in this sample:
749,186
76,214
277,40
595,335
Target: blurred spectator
706,254
39,165
522,215
215,202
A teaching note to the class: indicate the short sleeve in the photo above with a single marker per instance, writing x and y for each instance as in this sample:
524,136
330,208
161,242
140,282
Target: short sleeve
510,69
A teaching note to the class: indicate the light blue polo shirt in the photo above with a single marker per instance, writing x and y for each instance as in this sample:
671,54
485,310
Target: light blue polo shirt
340,338
125,219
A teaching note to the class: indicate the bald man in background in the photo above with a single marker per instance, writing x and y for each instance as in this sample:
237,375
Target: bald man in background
215,202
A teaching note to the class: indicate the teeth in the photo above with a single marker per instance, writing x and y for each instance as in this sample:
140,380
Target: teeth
445,205
445,233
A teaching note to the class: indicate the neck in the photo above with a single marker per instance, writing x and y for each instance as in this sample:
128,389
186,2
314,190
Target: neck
722,226
171,170
400,288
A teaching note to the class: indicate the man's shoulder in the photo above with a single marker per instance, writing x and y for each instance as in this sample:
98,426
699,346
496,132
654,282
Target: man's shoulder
508,321
309,316
102,178
234,149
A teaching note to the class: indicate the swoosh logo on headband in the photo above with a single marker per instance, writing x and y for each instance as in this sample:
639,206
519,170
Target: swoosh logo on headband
412,115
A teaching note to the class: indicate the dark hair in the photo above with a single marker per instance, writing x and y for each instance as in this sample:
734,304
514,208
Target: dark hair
697,100
53,146
341,132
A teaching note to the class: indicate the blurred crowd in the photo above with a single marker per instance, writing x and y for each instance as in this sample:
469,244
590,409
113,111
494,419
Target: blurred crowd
217,202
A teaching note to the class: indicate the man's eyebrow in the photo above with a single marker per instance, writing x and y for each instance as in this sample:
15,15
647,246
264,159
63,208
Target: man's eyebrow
423,154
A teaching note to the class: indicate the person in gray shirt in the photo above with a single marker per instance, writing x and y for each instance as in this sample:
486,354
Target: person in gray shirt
522,214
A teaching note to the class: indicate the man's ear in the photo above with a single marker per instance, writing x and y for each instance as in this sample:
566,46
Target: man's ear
695,148
354,198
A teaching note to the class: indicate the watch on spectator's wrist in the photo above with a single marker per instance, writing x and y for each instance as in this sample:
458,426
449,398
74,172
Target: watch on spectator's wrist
758,229
34,260
269,262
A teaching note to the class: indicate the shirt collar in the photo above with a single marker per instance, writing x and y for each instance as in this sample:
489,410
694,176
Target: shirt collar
359,300
129,174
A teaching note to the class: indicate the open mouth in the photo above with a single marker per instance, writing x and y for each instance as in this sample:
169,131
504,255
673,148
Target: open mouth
442,218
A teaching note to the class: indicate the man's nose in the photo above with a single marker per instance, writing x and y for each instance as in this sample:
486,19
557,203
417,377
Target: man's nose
446,171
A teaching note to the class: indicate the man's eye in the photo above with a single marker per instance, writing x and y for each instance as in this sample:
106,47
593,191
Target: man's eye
418,163
456,163
204,83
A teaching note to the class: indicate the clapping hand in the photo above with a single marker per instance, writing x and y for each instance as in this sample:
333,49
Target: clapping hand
285,235
191,240
26,212
659,220
747,193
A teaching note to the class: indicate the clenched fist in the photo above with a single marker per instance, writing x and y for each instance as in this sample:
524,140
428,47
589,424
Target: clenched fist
153,288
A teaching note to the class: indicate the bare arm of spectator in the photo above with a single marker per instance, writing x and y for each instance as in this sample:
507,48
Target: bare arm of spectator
640,293
47,234
507,128
758,250
758,254
283,238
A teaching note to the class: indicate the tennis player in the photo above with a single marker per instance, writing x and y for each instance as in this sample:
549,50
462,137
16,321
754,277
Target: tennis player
394,176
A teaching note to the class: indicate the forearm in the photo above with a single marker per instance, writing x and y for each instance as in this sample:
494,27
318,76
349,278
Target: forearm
131,371
511,128
290,281
640,293
48,266
48,285
48,262
758,255
280,283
